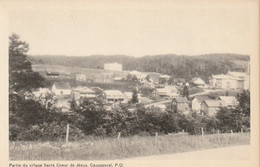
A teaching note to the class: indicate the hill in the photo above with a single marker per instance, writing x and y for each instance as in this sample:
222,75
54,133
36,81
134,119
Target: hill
174,65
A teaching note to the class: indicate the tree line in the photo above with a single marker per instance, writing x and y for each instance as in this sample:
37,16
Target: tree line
176,66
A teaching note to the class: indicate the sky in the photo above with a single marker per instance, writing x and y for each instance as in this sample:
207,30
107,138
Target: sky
134,29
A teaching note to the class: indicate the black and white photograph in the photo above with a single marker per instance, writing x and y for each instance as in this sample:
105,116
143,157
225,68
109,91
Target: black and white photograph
116,82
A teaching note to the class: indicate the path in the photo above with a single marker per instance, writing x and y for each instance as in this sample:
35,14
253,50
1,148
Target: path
241,152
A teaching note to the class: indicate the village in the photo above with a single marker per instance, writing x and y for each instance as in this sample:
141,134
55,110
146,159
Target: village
113,87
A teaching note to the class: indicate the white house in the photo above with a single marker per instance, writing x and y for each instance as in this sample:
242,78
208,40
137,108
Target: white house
113,66
196,103
167,91
232,80
61,88
113,96
230,101
81,91
197,82
211,107
163,79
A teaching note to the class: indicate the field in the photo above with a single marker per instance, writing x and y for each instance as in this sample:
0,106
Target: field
125,147
89,72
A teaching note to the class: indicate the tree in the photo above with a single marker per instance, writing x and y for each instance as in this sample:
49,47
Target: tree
231,119
244,102
94,114
186,92
134,96
21,76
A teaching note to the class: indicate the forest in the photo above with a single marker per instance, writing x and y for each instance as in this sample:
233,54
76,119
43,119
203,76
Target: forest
177,66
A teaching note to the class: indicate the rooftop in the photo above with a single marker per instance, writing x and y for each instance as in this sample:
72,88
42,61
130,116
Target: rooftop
202,98
197,81
181,100
83,89
164,76
228,99
114,94
215,103
62,85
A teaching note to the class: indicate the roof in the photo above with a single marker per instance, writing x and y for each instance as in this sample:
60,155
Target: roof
145,100
231,75
112,63
114,94
197,81
135,73
83,89
164,76
221,76
228,99
181,100
62,85
237,74
202,98
214,103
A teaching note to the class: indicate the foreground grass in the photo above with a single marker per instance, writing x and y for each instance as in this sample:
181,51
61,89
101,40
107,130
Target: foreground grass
111,148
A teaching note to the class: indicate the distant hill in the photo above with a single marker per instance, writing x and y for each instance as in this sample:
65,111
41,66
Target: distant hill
174,65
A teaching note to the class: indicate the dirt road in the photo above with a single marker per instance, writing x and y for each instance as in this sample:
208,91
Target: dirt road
227,153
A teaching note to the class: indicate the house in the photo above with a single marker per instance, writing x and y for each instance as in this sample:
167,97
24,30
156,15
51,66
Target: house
232,80
81,77
61,88
53,74
164,79
81,91
242,78
113,96
129,95
181,104
167,91
230,101
107,77
197,82
113,66
211,107
196,103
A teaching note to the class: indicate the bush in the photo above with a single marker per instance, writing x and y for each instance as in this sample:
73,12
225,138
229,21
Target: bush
14,131
32,134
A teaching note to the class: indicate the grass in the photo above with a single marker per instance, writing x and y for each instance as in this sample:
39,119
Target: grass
111,148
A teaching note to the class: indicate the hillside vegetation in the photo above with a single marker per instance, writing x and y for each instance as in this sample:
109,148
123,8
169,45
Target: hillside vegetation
173,65
111,148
